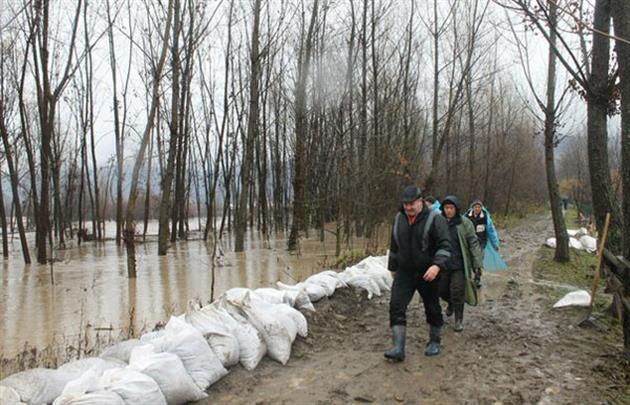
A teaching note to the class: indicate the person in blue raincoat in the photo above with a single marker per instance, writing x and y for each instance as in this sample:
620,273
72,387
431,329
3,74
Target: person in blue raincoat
433,203
485,230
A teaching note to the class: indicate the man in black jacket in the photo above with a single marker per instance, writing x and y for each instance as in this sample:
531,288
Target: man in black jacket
419,250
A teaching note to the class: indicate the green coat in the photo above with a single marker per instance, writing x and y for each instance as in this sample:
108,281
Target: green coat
472,255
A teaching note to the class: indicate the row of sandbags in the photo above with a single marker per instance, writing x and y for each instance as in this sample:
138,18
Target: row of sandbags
177,364
579,239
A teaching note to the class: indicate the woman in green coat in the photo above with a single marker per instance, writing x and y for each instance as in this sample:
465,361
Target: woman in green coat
456,283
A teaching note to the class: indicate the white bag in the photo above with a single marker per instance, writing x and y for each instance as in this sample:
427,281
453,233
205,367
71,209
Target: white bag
219,336
366,283
92,398
9,396
272,330
327,282
589,243
251,346
335,275
187,343
551,242
579,298
89,389
169,373
133,386
296,317
315,292
575,244
79,367
38,385
149,337
120,351
296,298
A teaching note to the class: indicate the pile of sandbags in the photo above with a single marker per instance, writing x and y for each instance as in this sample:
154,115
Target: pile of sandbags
177,364
585,241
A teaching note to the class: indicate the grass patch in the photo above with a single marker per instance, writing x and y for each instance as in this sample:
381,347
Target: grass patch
571,218
517,216
579,272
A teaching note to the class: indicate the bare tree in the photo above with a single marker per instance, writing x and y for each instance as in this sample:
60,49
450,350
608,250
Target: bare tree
155,99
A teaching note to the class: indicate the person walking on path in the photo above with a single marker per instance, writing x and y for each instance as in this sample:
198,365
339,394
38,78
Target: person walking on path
418,252
456,282
485,230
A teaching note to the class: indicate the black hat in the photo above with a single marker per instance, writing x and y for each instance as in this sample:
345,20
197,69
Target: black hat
410,194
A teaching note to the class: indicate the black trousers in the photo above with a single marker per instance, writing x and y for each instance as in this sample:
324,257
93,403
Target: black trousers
453,286
403,289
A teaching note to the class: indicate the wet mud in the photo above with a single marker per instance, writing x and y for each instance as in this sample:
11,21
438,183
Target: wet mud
514,350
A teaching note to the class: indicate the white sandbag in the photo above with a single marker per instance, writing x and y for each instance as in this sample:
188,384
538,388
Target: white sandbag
149,337
89,381
134,387
120,351
296,317
78,367
366,283
38,385
327,282
89,389
290,318
551,242
92,398
296,298
270,327
9,396
274,296
579,298
575,244
187,343
589,243
218,335
573,232
315,292
252,348
335,275
237,293
300,300
169,373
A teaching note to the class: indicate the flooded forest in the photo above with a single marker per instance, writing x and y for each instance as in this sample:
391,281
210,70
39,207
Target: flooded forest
156,152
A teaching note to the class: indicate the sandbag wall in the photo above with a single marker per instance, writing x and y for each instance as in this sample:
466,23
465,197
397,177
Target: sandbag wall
177,364
579,239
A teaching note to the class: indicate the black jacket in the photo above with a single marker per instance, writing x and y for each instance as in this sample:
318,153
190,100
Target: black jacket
406,250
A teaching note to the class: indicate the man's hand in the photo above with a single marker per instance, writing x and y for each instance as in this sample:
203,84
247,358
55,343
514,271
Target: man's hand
393,273
431,273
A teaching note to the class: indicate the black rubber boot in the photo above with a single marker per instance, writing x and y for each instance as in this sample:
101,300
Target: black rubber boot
397,353
433,348
478,280
459,318
449,310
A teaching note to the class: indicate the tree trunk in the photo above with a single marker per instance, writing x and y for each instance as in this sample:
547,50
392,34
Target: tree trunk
252,131
167,180
603,196
299,179
130,227
559,226
621,19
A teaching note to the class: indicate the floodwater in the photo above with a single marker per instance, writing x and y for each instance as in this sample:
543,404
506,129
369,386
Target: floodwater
91,291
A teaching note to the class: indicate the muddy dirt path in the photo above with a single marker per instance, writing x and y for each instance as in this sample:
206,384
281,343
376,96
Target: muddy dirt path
513,350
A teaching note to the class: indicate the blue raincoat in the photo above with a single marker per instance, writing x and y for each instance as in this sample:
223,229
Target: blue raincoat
492,260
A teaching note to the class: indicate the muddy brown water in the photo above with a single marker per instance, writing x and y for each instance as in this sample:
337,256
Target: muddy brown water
92,295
